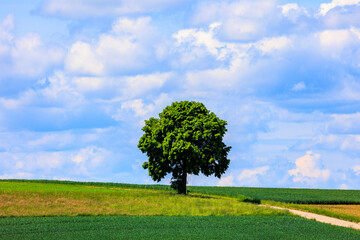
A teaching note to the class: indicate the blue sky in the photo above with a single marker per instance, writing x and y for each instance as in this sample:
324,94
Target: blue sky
78,78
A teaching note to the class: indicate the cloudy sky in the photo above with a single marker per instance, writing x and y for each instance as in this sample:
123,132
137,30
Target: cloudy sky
79,77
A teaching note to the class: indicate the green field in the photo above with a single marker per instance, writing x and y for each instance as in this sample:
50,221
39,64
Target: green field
288,195
49,199
150,227
42,209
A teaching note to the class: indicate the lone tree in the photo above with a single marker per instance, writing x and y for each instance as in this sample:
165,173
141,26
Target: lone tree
185,139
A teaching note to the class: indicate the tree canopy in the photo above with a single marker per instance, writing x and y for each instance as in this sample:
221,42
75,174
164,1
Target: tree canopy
186,139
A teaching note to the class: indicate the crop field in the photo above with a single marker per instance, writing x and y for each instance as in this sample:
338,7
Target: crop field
160,227
48,199
288,195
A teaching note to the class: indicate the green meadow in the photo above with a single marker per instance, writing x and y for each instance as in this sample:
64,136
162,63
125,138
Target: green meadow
48,199
42,209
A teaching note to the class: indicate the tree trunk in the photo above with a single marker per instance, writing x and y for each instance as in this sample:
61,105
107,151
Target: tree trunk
182,187
183,183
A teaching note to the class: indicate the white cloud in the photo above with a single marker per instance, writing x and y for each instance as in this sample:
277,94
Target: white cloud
200,38
125,87
58,95
249,177
241,20
88,159
344,123
82,60
269,45
299,86
226,181
32,162
334,38
357,170
130,46
326,7
31,57
141,109
292,11
337,42
84,8
138,106
140,84
287,8
25,55
308,169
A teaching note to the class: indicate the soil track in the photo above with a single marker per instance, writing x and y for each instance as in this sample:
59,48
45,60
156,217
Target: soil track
320,218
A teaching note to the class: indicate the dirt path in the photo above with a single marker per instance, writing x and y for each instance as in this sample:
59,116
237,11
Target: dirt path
320,218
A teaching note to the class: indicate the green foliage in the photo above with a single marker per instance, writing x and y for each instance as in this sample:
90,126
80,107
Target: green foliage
140,227
185,139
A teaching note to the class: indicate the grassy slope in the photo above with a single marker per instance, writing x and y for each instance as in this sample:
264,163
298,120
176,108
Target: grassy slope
300,196
150,227
287,196
38,199
48,199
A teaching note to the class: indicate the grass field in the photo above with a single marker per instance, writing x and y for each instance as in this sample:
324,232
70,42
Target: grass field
159,227
287,195
48,199
155,212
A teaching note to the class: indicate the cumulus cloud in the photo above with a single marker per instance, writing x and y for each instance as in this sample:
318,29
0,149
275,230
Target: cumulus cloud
308,169
249,177
269,45
69,164
326,7
83,8
92,156
130,46
336,40
140,109
226,181
27,55
241,20
81,59
292,11
140,84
